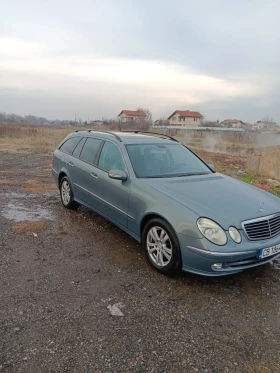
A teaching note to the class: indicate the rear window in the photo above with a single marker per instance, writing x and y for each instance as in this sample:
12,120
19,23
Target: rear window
90,149
69,145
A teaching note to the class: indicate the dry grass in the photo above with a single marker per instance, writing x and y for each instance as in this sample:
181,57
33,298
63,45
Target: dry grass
35,186
28,139
5,172
275,368
8,182
222,146
31,139
31,226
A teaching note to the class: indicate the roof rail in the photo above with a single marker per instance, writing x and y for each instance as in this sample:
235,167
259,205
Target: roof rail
108,133
154,133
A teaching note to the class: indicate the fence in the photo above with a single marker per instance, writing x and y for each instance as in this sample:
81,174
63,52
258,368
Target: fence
267,164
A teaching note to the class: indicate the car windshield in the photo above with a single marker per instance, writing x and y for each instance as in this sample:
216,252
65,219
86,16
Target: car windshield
164,160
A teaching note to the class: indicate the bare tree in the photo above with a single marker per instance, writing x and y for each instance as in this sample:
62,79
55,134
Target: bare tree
149,117
267,122
146,121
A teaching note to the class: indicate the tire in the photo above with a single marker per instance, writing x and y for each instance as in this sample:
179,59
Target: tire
162,247
66,194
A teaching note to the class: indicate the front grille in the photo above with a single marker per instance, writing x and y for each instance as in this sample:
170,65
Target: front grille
263,228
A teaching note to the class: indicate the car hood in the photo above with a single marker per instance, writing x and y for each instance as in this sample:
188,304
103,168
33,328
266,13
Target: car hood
226,200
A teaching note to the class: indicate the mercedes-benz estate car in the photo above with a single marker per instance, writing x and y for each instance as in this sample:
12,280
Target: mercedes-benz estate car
186,215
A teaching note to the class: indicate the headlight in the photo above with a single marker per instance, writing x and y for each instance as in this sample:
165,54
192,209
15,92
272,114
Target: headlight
212,231
234,234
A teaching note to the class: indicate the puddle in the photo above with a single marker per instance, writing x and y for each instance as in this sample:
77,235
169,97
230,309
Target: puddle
19,213
13,195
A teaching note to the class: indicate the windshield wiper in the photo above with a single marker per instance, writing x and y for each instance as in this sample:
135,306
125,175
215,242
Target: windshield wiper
193,174
175,175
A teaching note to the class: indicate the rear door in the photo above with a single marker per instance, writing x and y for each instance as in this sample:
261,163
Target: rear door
63,155
72,167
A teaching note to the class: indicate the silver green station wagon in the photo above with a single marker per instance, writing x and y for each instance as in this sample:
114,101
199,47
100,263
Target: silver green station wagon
186,215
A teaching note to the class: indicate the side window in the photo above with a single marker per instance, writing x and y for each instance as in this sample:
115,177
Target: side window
110,158
69,145
90,149
77,150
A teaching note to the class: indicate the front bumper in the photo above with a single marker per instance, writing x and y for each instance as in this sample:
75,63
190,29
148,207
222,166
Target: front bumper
198,256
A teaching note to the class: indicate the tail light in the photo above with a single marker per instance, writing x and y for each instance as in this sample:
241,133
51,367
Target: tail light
52,161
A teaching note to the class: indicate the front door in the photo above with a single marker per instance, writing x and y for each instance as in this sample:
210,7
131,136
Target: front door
112,194
83,170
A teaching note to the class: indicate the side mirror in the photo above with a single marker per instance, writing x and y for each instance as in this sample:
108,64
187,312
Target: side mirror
211,166
118,175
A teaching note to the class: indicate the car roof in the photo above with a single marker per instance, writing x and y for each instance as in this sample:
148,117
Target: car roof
129,137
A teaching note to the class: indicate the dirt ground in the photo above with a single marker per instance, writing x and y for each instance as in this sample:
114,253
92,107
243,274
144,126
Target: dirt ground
61,269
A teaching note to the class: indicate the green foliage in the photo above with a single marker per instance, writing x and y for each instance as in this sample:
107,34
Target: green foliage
248,178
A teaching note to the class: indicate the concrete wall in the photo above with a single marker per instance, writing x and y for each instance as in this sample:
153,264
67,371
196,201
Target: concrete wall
267,164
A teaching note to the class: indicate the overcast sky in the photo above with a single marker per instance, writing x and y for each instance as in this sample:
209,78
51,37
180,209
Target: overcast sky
97,57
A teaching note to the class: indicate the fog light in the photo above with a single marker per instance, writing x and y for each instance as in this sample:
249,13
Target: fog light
217,266
234,234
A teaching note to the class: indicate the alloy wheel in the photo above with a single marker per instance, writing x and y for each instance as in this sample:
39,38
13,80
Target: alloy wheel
159,246
65,192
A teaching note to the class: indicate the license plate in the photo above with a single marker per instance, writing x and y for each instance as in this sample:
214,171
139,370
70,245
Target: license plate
269,251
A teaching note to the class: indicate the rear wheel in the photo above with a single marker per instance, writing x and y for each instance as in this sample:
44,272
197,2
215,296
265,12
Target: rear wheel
66,194
161,246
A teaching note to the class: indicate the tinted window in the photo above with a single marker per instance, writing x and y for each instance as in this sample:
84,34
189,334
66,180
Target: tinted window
90,150
77,151
110,158
160,160
70,144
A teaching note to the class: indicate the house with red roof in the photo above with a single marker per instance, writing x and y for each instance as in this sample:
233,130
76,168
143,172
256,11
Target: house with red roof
185,118
161,122
126,116
232,123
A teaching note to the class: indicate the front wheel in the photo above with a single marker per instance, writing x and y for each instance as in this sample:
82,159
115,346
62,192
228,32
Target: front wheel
161,246
66,194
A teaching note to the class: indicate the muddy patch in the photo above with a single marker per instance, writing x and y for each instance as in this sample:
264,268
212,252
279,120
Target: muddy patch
31,226
276,263
35,186
19,213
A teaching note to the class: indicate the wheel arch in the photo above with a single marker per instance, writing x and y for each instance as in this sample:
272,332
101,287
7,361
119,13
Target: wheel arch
149,217
60,176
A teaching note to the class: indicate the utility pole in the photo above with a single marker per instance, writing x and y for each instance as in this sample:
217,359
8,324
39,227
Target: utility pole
75,119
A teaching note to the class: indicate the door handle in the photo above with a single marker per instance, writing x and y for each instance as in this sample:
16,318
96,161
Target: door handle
94,175
71,164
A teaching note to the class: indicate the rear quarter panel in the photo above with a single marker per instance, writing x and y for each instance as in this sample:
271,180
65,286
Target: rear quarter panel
60,165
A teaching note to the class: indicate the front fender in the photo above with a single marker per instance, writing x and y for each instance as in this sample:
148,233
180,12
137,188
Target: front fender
145,201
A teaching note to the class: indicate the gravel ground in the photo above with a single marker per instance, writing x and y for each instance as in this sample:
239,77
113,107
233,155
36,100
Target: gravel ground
55,289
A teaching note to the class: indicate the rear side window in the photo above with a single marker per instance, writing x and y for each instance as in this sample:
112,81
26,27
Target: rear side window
77,151
90,149
69,145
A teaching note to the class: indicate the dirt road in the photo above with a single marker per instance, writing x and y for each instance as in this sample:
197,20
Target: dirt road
61,269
